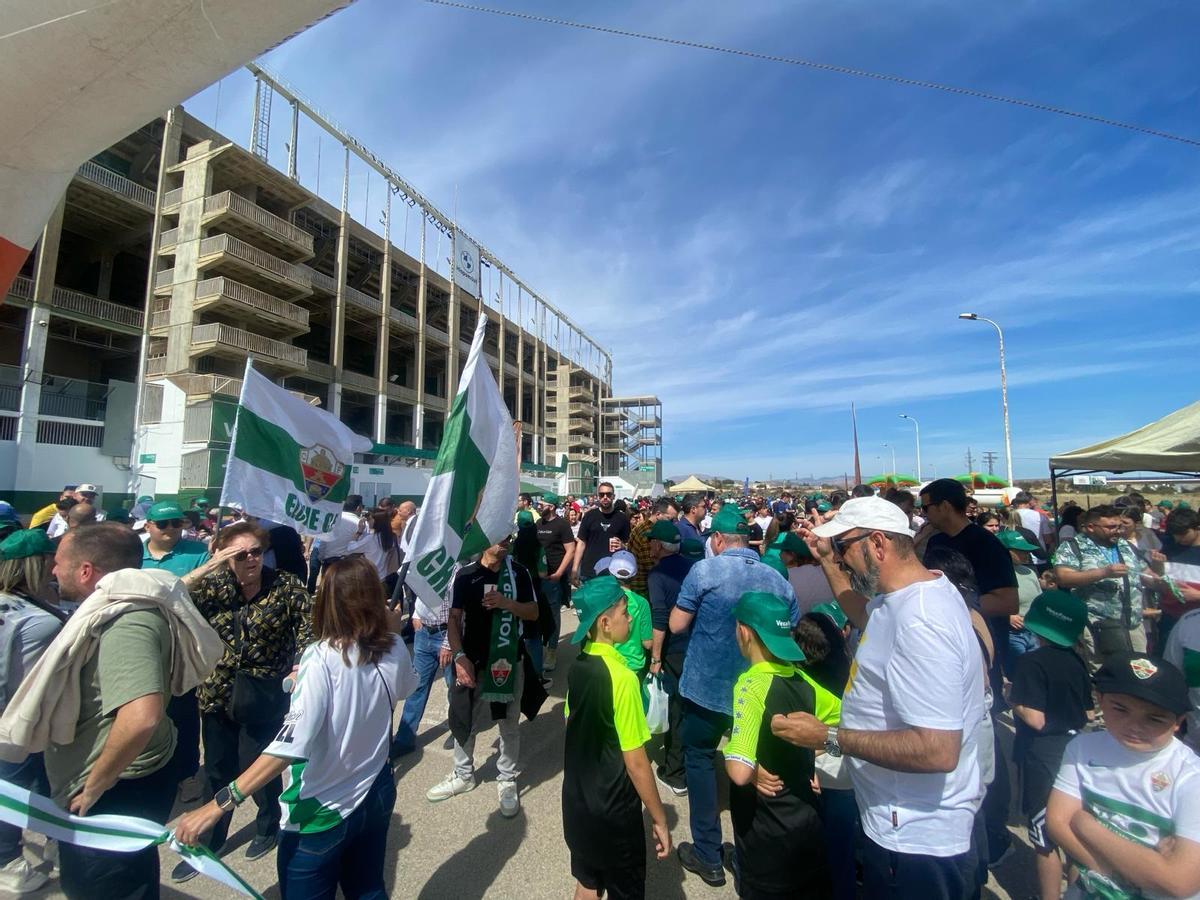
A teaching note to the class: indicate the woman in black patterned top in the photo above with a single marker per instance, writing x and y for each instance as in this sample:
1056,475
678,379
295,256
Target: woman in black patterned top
264,616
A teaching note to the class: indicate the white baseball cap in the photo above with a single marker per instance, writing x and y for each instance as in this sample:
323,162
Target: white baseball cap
623,564
872,513
87,489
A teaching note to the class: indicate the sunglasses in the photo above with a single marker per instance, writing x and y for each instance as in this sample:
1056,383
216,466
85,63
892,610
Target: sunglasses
255,553
605,494
841,544
170,523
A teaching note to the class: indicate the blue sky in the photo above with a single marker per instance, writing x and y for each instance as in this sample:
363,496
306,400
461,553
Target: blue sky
761,244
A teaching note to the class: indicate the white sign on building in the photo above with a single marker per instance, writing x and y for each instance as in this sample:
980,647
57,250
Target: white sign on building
466,263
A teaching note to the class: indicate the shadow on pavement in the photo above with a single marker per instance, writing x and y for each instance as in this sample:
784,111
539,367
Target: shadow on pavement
470,872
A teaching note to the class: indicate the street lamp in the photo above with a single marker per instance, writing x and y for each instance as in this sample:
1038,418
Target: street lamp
918,427
893,449
975,317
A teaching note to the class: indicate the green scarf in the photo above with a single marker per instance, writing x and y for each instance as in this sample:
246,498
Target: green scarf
500,673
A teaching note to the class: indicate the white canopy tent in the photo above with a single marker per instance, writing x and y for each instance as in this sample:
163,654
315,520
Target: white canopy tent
691,485
1171,446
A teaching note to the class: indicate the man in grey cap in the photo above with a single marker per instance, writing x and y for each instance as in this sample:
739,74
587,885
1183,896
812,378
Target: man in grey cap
912,710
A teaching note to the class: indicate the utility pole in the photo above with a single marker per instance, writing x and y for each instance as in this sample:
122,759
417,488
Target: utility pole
970,461
989,457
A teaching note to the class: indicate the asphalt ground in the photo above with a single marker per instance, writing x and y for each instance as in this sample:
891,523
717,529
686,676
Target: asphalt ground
463,848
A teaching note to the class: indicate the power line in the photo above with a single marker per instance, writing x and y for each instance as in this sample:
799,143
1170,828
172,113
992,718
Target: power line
829,67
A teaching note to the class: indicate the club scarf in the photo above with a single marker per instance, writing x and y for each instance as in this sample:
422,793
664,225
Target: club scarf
500,673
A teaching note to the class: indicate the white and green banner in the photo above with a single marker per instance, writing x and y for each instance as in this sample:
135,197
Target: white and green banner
471,497
289,462
118,834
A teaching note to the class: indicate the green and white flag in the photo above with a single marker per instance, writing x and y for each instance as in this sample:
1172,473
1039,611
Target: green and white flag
470,500
289,462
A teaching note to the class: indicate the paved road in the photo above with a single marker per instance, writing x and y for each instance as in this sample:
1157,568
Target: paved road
464,849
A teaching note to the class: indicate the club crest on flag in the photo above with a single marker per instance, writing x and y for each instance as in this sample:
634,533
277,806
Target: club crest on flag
320,471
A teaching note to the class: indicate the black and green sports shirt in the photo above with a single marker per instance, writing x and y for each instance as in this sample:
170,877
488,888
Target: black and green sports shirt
602,813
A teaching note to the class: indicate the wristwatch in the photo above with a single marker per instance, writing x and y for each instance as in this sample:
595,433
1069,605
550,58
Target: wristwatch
832,747
224,799
458,654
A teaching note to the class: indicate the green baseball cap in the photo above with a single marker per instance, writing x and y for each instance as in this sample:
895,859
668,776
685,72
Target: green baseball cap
833,611
595,597
824,506
773,560
665,531
1057,616
552,499
729,521
768,616
524,517
1165,504
1183,504
692,549
792,543
145,498
24,543
164,511
1014,540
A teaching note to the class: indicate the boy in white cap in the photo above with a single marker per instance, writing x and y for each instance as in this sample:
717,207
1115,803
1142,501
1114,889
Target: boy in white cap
622,565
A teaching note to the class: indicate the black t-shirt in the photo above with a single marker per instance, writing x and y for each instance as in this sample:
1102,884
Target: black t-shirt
988,557
595,530
466,593
555,536
1054,680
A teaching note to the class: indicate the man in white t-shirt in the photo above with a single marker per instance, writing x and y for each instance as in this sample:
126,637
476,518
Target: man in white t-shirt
912,709
1126,804
1032,520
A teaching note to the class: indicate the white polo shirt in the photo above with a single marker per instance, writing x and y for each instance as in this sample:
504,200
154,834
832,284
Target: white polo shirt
918,665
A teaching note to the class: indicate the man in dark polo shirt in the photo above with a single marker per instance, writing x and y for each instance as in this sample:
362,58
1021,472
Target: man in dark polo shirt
667,652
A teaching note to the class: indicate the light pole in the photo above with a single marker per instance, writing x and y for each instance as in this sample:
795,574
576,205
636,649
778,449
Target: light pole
975,317
918,427
893,449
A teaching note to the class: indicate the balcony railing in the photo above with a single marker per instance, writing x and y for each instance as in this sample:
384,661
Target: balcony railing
228,201
366,301
219,333
164,279
156,365
10,388
252,298
168,238
400,316
227,243
118,184
172,198
320,280
72,304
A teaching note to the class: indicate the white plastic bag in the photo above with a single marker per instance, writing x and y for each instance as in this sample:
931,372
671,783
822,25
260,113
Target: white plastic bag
656,711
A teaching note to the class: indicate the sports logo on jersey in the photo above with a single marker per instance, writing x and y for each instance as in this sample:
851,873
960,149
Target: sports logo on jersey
1160,781
1143,668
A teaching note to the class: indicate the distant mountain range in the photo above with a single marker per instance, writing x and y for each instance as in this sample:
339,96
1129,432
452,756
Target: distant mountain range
709,479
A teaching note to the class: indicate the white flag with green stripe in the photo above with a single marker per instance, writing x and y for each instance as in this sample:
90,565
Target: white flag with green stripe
288,462
470,500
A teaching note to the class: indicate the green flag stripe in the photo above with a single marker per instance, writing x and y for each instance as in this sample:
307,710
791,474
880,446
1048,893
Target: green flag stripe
34,813
460,456
264,445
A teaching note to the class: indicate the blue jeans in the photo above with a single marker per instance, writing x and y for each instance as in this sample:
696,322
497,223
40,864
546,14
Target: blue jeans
31,775
1019,643
426,647
701,732
553,592
349,855
839,815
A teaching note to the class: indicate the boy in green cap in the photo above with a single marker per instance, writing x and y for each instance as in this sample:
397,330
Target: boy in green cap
779,844
1051,696
606,772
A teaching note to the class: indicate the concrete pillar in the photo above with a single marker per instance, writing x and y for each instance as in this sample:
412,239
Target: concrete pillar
33,351
104,288
419,374
452,329
197,184
338,338
383,341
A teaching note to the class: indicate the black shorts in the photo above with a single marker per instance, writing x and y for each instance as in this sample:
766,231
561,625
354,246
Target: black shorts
1038,767
626,882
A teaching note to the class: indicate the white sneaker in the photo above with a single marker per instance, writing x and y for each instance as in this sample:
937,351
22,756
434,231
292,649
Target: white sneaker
450,786
550,659
19,877
510,798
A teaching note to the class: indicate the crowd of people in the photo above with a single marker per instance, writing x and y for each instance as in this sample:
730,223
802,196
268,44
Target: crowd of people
848,662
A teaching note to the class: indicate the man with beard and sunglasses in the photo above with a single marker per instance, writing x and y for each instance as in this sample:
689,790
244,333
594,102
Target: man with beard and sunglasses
912,709
603,531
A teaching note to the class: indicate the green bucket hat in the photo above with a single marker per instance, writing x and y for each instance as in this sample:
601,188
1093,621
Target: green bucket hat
24,543
833,611
1014,540
767,615
164,511
667,532
590,601
1058,617
775,563
792,543
692,549
729,521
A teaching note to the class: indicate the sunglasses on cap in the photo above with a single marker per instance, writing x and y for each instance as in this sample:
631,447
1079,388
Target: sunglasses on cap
170,523
840,544
253,553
